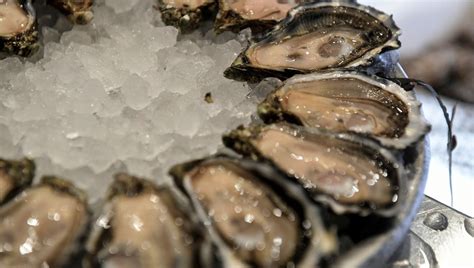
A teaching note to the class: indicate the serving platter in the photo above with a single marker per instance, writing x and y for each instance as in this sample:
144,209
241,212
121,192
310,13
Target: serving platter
377,249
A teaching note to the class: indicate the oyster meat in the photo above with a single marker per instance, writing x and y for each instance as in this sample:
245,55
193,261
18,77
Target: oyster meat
77,11
143,225
14,177
343,101
254,223
259,15
186,15
42,226
348,172
315,37
18,33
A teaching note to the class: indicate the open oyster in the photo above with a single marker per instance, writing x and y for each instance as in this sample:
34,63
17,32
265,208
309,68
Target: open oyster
255,221
145,226
14,177
344,101
347,172
18,33
42,226
317,36
77,11
259,15
186,14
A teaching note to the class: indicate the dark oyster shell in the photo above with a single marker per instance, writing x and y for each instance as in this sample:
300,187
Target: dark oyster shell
184,16
345,171
346,101
253,215
43,226
18,28
317,36
14,177
77,11
143,225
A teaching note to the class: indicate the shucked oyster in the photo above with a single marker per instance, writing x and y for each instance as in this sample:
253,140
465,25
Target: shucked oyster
259,15
14,177
255,221
18,33
348,101
77,11
145,226
348,173
42,226
186,14
317,36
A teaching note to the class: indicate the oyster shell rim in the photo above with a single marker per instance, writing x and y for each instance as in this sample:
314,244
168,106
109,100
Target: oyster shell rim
25,43
27,6
416,129
129,187
75,247
239,23
319,234
380,248
241,64
176,17
77,15
238,140
24,172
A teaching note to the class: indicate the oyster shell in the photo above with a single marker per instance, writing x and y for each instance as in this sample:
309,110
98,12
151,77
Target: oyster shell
77,11
143,225
186,15
343,101
14,177
259,15
42,226
255,221
18,33
315,37
347,172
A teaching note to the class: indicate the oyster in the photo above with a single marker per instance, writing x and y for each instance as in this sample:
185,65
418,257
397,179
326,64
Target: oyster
343,101
349,173
18,33
145,226
254,221
259,15
14,177
186,14
315,37
77,11
42,226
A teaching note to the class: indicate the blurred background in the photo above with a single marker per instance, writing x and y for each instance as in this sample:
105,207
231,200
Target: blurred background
438,48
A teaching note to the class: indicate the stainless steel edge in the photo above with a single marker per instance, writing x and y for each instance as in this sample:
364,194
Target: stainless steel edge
439,237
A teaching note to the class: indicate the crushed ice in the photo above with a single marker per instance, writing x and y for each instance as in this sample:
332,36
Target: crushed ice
125,93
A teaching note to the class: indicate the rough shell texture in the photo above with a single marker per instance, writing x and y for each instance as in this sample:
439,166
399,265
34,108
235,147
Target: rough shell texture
24,43
187,19
44,225
229,19
314,242
139,213
14,177
405,116
77,11
348,172
376,33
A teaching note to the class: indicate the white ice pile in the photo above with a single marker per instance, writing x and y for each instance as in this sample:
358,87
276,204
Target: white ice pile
119,94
